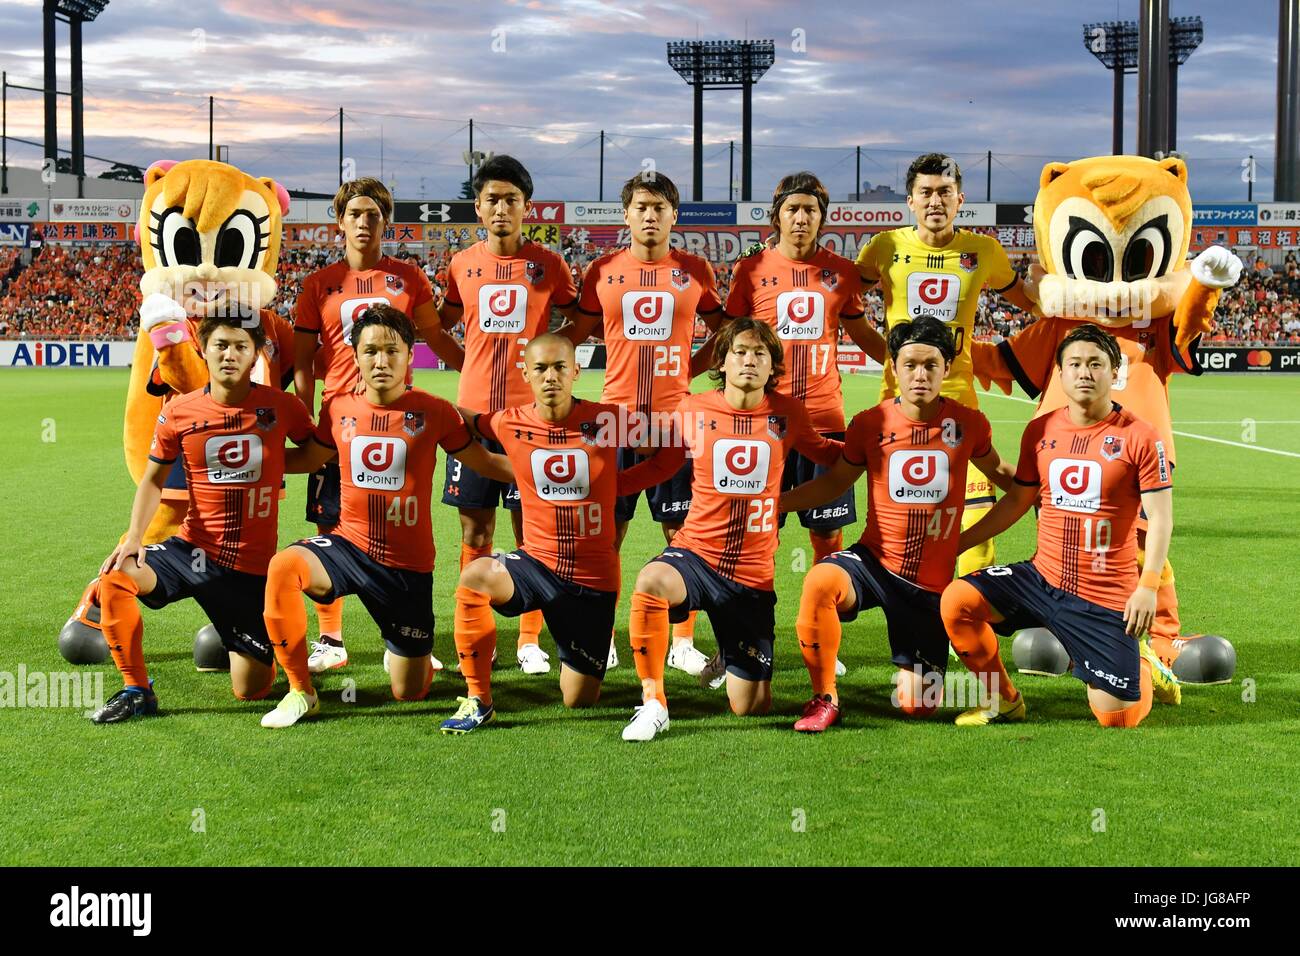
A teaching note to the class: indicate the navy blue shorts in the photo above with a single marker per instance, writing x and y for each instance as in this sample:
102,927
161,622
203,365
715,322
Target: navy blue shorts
1104,656
916,632
580,619
175,480
743,618
669,500
232,600
466,488
399,601
835,514
323,488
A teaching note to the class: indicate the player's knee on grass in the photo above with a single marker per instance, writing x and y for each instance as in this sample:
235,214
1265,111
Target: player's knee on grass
577,689
409,677
748,698
909,695
250,679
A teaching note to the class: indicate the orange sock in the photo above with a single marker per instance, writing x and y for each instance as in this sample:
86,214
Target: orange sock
824,546
1133,715
818,623
330,617
686,629
966,617
476,638
287,577
530,627
648,632
123,628
468,553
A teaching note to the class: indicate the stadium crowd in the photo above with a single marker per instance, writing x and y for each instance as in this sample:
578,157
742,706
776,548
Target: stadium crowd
90,292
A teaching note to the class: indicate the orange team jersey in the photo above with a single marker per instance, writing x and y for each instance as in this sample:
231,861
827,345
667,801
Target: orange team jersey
387,454
1091,482
569,480
1148,358
739,457
234,462
804,302
649,311
916,485
507,302
335,297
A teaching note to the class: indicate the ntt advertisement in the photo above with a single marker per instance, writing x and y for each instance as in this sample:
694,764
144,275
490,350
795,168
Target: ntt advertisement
1274,358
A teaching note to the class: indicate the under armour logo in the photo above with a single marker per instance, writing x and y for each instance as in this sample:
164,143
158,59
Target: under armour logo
1046,444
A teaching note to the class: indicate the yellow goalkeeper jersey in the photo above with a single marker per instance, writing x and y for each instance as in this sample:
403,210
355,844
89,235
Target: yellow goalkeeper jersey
917,279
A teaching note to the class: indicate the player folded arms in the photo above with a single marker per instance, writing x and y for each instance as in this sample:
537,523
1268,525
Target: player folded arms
564,452
231,434
1090,467
915,449
721,561
386,440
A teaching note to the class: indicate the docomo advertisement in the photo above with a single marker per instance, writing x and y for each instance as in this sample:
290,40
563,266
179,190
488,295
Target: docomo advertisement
883,214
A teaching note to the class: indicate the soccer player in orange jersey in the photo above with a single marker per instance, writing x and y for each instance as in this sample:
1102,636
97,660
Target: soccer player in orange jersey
564,452
644,300
503,289
1090,467
331,301
231,436
382,550
916,449
722,560
806,293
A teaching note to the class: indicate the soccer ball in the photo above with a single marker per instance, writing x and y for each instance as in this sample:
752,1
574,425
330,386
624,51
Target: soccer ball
1035,650
210,653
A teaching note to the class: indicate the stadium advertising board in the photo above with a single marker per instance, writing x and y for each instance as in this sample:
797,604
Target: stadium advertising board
852,359
15,233
310,210
435,211
1223,214
706,214
1273,358
16,209
545,212
39,353
594,213
1014,214
90,210
1277,236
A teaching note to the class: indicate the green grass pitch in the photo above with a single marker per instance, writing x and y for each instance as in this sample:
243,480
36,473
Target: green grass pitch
373,782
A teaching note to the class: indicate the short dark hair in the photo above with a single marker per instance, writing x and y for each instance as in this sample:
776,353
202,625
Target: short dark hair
1097,336
504,169
213,322
653,182
933,164
368,187
388,317
727,335
926,330
801,182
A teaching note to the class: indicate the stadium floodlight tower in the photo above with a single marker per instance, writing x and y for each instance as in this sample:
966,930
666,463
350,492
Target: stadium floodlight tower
74,13
722,65
1115,44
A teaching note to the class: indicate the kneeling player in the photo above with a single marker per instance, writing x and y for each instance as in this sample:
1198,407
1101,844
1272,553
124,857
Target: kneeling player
231,435
387,443
565,457
721,560
1089,466
916,448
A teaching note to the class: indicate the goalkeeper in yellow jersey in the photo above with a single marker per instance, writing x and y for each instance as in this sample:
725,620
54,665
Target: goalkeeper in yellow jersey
936,269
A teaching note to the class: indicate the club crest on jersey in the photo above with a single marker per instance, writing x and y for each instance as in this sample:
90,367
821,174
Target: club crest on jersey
969,261
233,459
413,423
590,433
347,428
266,419
679,280
534,272
776,426
394,284
830,279
951,432
1112,446
271,350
